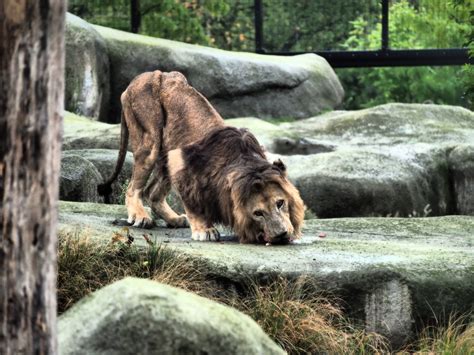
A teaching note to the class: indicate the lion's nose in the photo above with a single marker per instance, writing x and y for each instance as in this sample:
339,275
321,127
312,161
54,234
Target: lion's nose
281,236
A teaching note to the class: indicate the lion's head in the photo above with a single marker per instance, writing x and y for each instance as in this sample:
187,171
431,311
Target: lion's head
267,208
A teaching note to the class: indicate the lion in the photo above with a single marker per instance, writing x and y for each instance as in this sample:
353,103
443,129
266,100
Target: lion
220,173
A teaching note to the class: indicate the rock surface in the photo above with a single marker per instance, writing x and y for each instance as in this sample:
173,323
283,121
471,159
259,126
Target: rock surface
83,133
237,84
104,160
78,180
87,70
137,316
424,263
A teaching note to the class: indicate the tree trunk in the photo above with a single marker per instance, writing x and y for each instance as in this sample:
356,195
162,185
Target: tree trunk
31,106
135,16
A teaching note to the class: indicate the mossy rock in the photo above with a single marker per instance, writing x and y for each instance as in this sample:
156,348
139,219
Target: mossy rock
104,160
78,180
85,133
461,168
136,316
237,84
87,90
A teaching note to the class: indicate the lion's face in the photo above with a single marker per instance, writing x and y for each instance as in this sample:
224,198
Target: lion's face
273,212
269,211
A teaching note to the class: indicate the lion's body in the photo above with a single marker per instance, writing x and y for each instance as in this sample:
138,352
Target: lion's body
176,134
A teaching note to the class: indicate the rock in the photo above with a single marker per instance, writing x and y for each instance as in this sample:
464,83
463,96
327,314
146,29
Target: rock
391,159
104,161
84,133
237,84
78,180
386,125
389,272
350,183
461,168
87,77
135,316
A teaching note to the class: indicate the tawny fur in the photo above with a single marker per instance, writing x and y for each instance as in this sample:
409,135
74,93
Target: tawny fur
220,172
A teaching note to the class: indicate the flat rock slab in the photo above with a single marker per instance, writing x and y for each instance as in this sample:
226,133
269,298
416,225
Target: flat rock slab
389,271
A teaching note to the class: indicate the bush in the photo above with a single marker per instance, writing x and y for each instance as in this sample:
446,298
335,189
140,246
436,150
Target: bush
422,27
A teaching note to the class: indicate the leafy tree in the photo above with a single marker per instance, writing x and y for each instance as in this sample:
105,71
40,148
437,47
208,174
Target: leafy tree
310,25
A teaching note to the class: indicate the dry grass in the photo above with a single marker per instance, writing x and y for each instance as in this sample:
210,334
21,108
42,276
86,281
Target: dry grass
303,321
457,337
290,312
84,266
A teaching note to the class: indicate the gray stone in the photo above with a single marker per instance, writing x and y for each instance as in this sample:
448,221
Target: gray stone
386,125
237,84
85,133
78,180
388,311
362,182
87,77
388,271
137,316
104,161
461,167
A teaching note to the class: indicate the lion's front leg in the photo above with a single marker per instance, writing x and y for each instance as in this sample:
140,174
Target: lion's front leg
137,215
200,229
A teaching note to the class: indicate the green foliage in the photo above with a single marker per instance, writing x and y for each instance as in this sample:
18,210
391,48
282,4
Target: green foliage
425,26
311,25
221,23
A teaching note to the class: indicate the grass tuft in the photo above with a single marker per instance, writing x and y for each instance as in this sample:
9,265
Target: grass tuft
457,337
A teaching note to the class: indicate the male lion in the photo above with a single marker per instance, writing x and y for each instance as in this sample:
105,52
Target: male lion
220,172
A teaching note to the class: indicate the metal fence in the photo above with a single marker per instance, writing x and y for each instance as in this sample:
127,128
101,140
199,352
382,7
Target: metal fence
383,56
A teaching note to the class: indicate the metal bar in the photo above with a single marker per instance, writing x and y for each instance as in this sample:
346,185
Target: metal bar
258,21
385,32
392,58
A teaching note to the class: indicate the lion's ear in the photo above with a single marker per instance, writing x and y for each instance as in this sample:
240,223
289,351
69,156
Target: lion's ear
280,166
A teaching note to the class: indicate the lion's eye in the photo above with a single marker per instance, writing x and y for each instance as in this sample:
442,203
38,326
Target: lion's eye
258,213
280,203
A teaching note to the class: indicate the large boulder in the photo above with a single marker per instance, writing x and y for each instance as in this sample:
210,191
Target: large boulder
104,160
350,183
84,133
237,84
137,316
78,180
87,70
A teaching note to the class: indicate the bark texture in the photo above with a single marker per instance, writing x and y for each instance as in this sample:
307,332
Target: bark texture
31,105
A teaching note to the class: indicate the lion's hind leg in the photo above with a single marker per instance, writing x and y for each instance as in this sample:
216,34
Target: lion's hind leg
157,190
143,165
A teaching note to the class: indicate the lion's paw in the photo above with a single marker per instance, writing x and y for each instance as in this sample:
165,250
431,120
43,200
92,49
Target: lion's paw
178,222
144,222
207,234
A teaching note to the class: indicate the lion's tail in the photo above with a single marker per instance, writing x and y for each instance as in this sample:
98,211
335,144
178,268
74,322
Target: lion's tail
105,189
